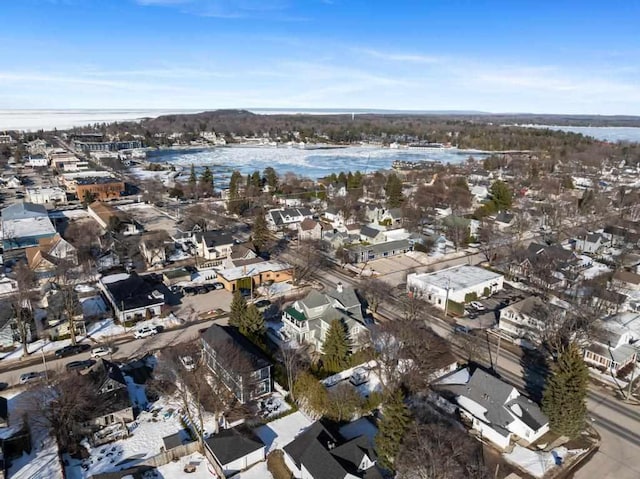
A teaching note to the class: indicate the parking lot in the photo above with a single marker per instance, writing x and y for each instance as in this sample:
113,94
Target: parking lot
394,270
192,306
490,313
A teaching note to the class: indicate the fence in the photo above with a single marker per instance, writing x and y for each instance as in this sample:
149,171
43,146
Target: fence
158,460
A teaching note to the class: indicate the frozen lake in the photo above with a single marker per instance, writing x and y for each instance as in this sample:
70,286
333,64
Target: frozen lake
304,162
604,133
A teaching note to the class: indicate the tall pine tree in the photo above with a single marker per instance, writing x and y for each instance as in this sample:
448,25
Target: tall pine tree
335,349
393,190
260,231
564,400
206,182
238,310
391,429
252,325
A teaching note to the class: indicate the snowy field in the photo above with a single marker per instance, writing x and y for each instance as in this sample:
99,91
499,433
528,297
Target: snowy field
538,463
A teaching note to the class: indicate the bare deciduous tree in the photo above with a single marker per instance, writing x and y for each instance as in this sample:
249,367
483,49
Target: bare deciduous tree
21,303
375,292
306,258
294,360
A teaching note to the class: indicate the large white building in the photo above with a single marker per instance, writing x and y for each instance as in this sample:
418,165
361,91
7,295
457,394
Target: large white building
45,196
458,284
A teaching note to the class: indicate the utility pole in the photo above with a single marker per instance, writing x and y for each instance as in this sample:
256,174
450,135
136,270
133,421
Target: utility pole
446,298
495,366
44,362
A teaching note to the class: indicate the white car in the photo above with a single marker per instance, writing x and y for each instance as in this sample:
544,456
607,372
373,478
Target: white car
101,351
478,306
145,332
188,363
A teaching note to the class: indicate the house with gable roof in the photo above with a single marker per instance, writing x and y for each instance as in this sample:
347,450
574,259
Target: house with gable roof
287,218
310,229
493,408
44,258
318,453
308,319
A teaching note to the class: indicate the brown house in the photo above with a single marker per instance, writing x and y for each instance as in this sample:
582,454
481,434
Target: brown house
253,275
101,188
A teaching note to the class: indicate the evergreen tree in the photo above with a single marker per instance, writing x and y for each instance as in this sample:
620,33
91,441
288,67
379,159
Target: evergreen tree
234,185
206,181
256,181
260,232
342,178
311,395
335,348
501,195
393,190
391,429
271,178
252,325
238,310
192,176
564,400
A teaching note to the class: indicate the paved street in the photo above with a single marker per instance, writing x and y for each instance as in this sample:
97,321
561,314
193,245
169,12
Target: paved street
128,348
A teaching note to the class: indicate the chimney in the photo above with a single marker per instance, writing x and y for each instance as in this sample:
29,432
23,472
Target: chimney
339,287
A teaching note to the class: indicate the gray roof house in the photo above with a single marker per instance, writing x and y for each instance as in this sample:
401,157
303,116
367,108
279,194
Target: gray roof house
362,253
24,224
239,364
308,319
214,246
318,454
495,409
287,217
233,450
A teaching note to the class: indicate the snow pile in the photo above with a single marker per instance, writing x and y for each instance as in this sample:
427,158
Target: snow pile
259,471
176,469
104,328
281,432
538,463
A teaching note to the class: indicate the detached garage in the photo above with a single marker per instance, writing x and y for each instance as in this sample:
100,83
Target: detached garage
234,450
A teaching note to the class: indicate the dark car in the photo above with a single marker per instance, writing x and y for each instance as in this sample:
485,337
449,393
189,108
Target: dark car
189,291
79,365
263,304
245,292
202,289
71,350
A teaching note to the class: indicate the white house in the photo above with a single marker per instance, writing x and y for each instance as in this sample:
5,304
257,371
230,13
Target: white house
589,243
310,230
37,161
47,196
288,218
214,246
526,319
615,348
457,284
493,408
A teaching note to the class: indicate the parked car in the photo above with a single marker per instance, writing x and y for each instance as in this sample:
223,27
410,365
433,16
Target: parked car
71,350
189,290
101,351
79,365
245,292
218,286
478,306
32,377
145,332
202,289
187,362
461,330
263,304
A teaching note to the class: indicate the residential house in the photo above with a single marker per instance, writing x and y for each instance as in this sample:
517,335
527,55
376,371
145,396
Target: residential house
493,408
372,234
391,217
318,453
114,401
8,286
106,260
458,284
614,347
254,274
36,161
528,318
132,296
238,363
504,220
482,177
52,196
621,235
50,253
287,218
242,255
548,265
336,190
310,229
334,216
626,280
9,333
214,247
308,319
156,247
480,193
233,450
111,218
25,224
59,305
11,182
361,253
589,243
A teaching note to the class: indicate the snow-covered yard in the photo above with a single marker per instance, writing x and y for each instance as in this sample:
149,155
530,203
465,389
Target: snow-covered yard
176,469
42,462
259,471
281,432
592,268
538,463
366,371
93,306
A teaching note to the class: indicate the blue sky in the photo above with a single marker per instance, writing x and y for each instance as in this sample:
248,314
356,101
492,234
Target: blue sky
499,56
